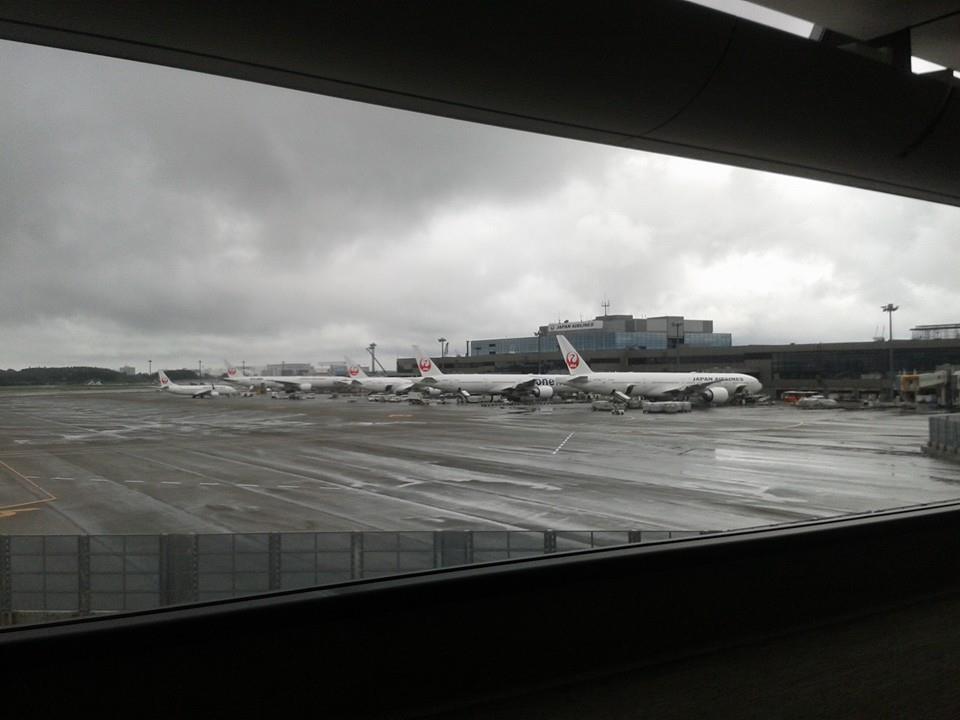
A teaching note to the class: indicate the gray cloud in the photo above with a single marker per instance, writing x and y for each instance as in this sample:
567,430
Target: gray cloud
153,213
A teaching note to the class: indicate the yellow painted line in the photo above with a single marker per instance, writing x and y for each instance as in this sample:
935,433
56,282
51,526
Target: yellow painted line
11,513
50,497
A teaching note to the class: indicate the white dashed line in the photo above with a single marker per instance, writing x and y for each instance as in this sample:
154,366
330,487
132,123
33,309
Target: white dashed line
169,482
560,446
61,477
247,485
289,487
209,483
139,482
99,480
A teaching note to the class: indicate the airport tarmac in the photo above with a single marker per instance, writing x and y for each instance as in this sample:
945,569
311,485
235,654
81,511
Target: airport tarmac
104,462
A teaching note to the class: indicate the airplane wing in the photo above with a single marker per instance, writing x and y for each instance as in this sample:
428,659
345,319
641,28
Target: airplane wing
510,387
401,386
688,388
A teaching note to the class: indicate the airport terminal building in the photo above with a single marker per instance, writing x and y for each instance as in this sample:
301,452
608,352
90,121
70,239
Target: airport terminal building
610,332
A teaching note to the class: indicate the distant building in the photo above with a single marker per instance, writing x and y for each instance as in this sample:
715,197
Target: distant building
286,368
128,370
336,367
611,332
950,331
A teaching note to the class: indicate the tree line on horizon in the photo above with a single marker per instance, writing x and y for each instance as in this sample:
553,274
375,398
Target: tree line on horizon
81,375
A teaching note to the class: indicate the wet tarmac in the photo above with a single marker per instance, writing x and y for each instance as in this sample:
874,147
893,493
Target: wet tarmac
105,462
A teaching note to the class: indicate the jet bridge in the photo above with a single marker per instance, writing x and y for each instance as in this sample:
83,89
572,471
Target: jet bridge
942,384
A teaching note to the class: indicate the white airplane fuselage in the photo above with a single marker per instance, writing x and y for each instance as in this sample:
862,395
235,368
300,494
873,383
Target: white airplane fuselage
663,384
382,384
204,390
509,385
292,383
495,384
710,387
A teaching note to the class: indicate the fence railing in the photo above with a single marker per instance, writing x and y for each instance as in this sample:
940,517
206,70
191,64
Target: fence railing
45,577
945,435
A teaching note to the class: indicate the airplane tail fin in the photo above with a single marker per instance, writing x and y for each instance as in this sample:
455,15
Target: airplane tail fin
575,364
233,372
425,364
354,371
164,380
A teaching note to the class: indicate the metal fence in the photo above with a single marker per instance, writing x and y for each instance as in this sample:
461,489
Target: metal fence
945,435
76,575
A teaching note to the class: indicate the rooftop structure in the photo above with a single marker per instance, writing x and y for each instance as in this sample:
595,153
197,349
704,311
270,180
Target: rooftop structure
947,331
611,332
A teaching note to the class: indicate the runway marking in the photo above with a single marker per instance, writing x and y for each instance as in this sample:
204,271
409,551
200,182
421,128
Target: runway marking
333,486
50,497
247,485
140,482
210,483
99,480
565,441
11,513
289,487
62,477
169,482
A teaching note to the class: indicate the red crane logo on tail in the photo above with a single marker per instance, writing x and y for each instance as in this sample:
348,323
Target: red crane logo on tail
354,371
425,364
573,360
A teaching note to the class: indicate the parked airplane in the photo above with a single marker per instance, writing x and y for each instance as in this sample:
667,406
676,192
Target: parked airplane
511,386
196,391
378,384
715,388
236,377
289,383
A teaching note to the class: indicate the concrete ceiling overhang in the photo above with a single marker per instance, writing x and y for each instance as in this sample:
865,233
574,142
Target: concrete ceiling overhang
933,25
658,75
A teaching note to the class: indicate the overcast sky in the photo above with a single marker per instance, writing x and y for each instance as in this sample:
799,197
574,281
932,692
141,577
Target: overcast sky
149,213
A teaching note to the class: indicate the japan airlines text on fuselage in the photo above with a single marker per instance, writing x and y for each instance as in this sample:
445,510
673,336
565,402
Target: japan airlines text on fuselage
538,386
195,391
710,387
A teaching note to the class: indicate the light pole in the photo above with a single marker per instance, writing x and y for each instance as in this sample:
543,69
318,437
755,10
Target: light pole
539,334
149,367
890,308
676,341
200,368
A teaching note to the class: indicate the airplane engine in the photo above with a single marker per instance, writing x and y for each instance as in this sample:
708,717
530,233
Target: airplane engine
214,393
543,392
432,392
716,395
305,387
